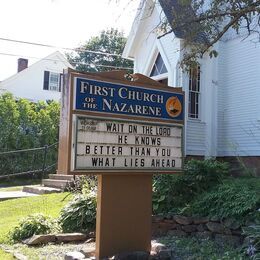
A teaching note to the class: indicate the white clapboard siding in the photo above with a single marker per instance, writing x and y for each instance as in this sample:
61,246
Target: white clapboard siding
239,97
195,138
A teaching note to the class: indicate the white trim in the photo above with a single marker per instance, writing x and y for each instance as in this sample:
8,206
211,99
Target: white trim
178,74
128,51
161,76
164,56
156,49
151,60
190,119
184,81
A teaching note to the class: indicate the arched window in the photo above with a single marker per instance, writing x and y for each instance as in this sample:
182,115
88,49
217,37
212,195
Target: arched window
158,67
159,71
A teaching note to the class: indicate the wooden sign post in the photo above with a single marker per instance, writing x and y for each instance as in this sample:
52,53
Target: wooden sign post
123,131
123,214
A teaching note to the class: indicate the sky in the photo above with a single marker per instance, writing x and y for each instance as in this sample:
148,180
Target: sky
61,23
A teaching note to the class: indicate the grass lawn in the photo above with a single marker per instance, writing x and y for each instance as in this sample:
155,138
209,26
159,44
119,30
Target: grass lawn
5,256
12,211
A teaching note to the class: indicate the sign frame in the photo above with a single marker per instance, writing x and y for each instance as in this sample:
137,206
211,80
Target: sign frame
69,114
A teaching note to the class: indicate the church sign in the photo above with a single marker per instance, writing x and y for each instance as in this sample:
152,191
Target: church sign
123,131
126,128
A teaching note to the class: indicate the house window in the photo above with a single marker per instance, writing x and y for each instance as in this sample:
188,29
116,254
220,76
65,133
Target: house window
52,81
194,92
158,67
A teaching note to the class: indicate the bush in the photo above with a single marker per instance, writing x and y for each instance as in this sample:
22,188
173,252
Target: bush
33,225
79,215
25,125
176,191
200,176
163,193
233,199
83,184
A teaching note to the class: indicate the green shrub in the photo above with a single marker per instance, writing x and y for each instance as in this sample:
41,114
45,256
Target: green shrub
79,215
163,199
200,176
25,125
233,199
33,225
83,184
171,191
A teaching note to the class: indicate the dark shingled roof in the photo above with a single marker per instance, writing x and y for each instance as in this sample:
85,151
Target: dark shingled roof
181,28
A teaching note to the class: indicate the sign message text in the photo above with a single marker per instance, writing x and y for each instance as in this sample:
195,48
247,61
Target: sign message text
107,144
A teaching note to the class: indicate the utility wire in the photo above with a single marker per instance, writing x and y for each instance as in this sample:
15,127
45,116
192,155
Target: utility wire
64,48
76,63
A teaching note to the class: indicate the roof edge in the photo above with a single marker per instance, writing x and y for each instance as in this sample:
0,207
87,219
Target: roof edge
60,55
127,52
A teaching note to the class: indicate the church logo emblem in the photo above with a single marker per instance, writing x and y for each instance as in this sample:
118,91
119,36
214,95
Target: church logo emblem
173,106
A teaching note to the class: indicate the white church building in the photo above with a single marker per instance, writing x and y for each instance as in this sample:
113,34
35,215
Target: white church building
222,96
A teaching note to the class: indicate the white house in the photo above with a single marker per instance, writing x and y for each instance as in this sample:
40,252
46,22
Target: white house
39,82
222,95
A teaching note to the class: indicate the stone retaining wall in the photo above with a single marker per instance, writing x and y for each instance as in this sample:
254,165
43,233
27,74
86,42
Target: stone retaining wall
227,231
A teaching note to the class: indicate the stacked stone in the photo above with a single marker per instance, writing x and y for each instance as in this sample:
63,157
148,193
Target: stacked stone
226,231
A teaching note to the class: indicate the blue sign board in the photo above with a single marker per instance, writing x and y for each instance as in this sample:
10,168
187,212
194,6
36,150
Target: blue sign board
134,101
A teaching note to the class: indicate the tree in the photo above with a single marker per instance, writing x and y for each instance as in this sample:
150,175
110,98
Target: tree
202,23
24,124
101,53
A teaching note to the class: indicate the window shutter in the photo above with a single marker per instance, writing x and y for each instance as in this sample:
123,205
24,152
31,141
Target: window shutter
60,82
46,80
